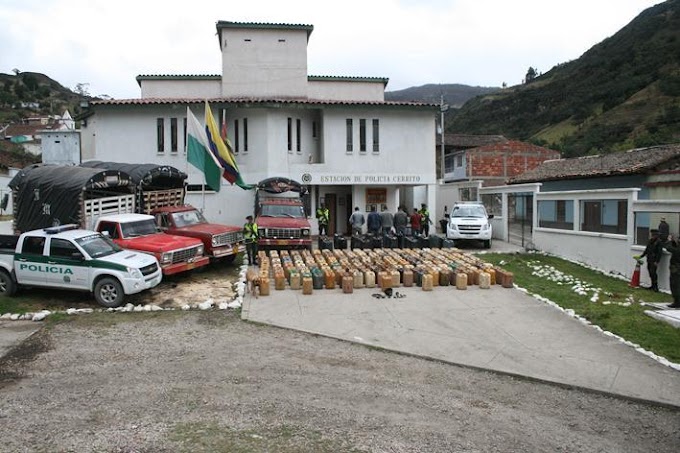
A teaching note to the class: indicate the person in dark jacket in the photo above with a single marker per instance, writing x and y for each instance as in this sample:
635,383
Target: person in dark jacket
400,221
653,252
386,220
672,246
664,230
356,220
373,223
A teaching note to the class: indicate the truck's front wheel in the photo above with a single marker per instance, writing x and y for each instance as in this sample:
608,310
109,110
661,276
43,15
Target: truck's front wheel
7,285
109,292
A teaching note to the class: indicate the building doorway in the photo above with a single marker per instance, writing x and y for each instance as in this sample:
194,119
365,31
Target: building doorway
520,218
332,205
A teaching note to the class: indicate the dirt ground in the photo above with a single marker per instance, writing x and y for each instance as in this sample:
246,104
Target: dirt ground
205,381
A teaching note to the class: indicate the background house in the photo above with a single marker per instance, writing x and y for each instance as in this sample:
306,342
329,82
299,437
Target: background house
476,161
599,209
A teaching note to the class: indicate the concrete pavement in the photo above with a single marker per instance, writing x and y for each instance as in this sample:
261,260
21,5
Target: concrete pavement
13,333
498,329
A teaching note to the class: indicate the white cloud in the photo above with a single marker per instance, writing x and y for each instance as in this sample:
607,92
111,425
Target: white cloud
476,42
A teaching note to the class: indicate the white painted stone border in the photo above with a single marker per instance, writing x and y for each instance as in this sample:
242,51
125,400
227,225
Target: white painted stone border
206,305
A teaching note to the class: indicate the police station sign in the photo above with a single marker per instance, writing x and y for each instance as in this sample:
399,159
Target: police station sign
368,179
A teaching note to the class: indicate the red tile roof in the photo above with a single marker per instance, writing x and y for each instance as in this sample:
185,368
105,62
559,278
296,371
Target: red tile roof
258,101
471,141
514,146
634,161
25,129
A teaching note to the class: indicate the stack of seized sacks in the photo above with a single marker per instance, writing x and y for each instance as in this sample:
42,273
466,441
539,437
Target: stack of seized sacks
382,268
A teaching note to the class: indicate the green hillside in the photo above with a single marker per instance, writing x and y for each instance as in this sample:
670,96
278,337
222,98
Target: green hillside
622,93
26,94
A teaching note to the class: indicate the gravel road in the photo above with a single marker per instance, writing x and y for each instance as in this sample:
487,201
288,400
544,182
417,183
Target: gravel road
207,381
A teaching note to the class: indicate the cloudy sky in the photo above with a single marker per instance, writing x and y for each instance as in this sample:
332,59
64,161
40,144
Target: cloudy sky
107,43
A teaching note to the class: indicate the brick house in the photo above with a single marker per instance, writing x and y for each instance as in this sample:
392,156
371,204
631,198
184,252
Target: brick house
476,161
495,162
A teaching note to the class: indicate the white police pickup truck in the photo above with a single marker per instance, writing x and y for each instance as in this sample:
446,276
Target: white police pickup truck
66,257
470,222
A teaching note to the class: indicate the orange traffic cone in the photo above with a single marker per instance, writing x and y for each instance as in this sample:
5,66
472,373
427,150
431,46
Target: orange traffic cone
635,279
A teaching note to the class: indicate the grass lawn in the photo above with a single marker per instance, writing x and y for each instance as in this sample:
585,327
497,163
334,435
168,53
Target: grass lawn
605,301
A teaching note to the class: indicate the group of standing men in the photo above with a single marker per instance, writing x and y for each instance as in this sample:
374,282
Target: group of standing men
385,222
660,240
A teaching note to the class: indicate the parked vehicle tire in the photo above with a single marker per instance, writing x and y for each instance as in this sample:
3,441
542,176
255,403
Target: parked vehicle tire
109,292
487,244
8,286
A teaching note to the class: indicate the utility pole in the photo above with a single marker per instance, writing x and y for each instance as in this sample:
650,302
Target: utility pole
442,109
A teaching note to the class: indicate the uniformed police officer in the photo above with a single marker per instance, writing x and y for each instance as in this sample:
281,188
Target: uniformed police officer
250,235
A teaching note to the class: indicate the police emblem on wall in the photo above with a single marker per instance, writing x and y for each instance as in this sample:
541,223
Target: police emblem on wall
306,178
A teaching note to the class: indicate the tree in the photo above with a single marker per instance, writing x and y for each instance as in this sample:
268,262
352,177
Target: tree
30,81
82,89
531,75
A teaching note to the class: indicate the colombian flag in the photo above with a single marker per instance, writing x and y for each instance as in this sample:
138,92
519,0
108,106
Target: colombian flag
222,152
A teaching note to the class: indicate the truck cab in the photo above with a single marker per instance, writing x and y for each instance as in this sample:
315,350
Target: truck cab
282,223
139,232
65,257
281,218
219,241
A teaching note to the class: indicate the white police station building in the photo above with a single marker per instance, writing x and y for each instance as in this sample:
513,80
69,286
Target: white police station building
337,135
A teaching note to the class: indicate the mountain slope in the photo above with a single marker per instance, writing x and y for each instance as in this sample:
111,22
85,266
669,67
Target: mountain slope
622,93
454,94
30,93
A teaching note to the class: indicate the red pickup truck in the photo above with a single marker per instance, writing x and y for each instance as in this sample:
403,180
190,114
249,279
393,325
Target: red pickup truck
219,241
139,232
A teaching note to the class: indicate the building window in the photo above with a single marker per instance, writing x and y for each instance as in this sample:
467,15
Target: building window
350,136
236,137
173,135
362,135
459,160
604,216
298,136
160,135
376,135
245,135
315,131
290,135
184,133
558,214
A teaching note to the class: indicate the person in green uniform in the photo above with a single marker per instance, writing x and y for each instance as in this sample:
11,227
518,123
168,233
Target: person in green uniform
250,235
323,216
672,246
425,220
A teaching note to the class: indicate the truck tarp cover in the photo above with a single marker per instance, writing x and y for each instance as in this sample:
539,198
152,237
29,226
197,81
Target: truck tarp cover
280,184
145,176
45,193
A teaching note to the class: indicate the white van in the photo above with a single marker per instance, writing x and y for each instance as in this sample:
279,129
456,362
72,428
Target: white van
469,221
